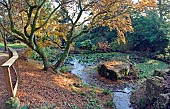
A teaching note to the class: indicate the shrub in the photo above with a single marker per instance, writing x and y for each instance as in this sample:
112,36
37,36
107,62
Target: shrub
106,92
165,56
12,103
103,47
65,69
143,103
119,47
86,44
150,33
109,104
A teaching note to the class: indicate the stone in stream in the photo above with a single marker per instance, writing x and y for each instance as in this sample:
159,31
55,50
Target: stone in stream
114,70
154,92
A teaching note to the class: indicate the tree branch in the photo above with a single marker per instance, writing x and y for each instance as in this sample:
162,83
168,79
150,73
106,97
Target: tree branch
47,18
81,33
4,4
10,32
29,15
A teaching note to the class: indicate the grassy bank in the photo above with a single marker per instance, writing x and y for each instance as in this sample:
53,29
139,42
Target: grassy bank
146,66
15,45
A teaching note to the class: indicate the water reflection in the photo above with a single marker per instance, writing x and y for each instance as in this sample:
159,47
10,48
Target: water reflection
121,93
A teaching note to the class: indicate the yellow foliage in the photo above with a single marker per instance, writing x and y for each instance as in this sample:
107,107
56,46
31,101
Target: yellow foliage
112,13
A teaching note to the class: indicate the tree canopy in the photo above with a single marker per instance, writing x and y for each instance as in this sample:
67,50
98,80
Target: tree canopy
33,21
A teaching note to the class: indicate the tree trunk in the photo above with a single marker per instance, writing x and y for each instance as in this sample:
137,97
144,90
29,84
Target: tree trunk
60,62
5,43
44,58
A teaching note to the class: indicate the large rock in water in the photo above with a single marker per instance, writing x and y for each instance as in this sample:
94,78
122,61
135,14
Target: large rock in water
154,87
163,102
113,70
154,92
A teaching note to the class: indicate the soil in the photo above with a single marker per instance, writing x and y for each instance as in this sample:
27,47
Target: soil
36,87
3,91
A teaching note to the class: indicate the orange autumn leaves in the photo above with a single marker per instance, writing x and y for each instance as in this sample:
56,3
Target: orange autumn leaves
112,13
116,14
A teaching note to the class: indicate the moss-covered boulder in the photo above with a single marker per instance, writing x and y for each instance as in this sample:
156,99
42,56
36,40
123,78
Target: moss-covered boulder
113,70
154,93
12,103
163,102
154,87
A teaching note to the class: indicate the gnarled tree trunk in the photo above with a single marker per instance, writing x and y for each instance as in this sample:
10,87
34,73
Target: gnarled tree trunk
43,57
60,62
5,43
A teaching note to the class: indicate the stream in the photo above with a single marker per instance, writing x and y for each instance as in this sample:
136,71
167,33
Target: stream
121,92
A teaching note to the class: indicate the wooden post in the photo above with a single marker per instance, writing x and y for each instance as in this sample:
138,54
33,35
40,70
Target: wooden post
10,53
8,81
13,56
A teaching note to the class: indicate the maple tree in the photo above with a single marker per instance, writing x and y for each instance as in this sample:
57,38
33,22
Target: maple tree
3,33
26,19
4,36
32,21
83,15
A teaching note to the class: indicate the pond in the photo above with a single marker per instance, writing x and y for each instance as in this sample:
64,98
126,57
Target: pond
121,92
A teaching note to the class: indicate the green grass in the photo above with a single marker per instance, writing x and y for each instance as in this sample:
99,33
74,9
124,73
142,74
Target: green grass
98,57
147,68
107,92
146,65
15,45
110,104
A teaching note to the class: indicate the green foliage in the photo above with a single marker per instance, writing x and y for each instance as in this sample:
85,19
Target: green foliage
46,106
107,92
86,44
150,33
165,56
65,68
147,68
35,56
99,34
143,102
118,47
109,104
51,54
15,45
99,57
94,48
12,103
24,107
